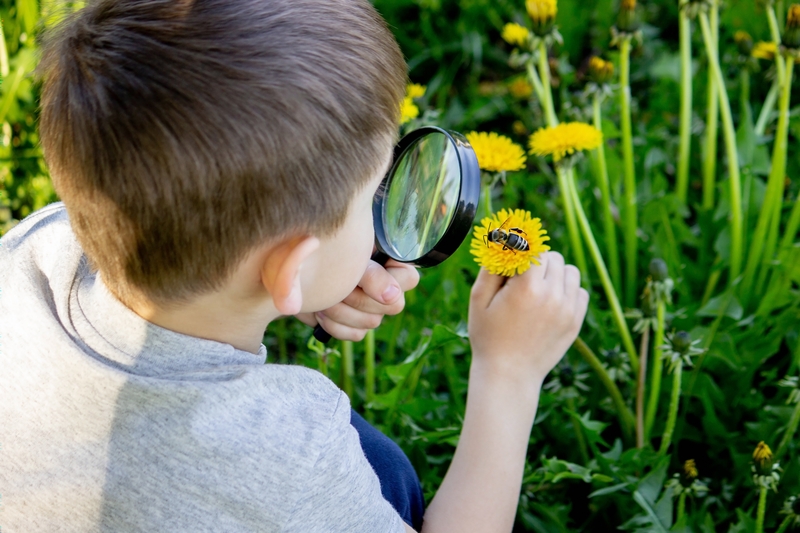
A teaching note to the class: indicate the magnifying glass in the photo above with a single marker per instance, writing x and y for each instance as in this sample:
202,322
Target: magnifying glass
426,205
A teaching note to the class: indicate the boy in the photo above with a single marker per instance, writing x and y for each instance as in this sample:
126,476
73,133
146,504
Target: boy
217,161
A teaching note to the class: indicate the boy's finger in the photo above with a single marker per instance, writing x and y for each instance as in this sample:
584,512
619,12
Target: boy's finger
555,269
340,331
406,275
485,288
352,317
379,284
572,281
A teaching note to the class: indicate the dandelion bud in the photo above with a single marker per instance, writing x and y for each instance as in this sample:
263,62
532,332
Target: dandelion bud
681,342
762,457
543,15
658,269
689,473
600,71
744,42
791,33
627,21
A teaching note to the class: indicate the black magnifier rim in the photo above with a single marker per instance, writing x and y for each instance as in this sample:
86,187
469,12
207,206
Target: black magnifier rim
467,205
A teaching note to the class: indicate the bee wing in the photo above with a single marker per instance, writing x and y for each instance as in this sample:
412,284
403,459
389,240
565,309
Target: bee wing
505,225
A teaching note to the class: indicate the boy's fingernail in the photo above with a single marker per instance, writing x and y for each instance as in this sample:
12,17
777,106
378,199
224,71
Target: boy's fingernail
391,293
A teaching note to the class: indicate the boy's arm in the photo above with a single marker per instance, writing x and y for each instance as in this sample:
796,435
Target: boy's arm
518,330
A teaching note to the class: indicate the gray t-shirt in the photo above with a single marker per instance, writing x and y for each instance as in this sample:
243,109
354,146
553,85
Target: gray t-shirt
109,423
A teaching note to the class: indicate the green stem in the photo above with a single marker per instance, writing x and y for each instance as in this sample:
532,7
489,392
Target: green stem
594,250
640,386
791,429
712,117
572,225
773,198
673,408
762,507
785,524
369,366
792,227
655,376
487,200
766,110
544,74
535,81
733,157
605,191
578,433
685,30
775,33
623,412
681,506
629,206
348,369
4,69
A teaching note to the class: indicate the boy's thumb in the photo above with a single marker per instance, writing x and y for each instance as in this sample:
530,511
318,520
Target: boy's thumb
485,288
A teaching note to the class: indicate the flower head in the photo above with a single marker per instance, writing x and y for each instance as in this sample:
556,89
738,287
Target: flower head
791,507
601,71
520,88
791,32
408,109
627,21
496,153
515,34
744,42
765,50
765,470
500,259
679,349
564,139
687,481
543,15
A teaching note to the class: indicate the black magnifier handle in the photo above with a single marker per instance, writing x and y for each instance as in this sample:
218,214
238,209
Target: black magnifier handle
319,332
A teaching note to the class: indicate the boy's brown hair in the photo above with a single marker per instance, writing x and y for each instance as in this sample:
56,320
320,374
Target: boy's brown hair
181,134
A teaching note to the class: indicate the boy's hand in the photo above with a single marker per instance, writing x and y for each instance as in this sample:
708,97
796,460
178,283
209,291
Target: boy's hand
522,326
379,293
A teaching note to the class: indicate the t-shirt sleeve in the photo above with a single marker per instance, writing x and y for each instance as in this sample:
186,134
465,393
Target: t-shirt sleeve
343,493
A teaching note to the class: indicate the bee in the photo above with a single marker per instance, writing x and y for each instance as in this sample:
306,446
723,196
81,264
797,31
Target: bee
510,238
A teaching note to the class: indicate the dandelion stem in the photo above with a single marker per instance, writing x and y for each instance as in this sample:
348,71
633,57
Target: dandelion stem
536,82
792,227
547,92
623,412
735,196
673,408
594,250
605,191
487,200
681,506
655,376
785,524
629,204
369,366
572,225
712,116
348,369
791,429
773,198
775,33
640,385
578,432
685,29
766,110
762,507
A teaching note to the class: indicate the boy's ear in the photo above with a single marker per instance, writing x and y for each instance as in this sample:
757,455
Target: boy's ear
280,272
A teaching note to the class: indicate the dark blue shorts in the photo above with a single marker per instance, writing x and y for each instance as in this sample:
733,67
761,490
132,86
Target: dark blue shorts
399,482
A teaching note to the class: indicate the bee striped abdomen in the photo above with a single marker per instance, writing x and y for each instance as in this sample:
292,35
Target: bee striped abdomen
515,242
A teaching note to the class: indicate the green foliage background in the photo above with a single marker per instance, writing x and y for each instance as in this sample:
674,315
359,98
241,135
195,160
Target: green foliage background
730,400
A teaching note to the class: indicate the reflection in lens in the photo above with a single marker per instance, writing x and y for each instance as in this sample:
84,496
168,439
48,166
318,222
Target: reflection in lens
421,197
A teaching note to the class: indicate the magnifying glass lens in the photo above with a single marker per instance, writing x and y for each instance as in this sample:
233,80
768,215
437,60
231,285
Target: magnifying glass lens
421,197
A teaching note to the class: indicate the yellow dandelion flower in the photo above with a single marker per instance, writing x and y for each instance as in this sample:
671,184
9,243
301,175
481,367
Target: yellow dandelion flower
519,128
762,454
600,70
520,88
408,110
543,15
515,34
764,50
565,139
507,262
628,5
415,90
690,469
496,153
741,36
793,16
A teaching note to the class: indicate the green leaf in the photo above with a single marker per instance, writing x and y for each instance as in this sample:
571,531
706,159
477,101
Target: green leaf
715,305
